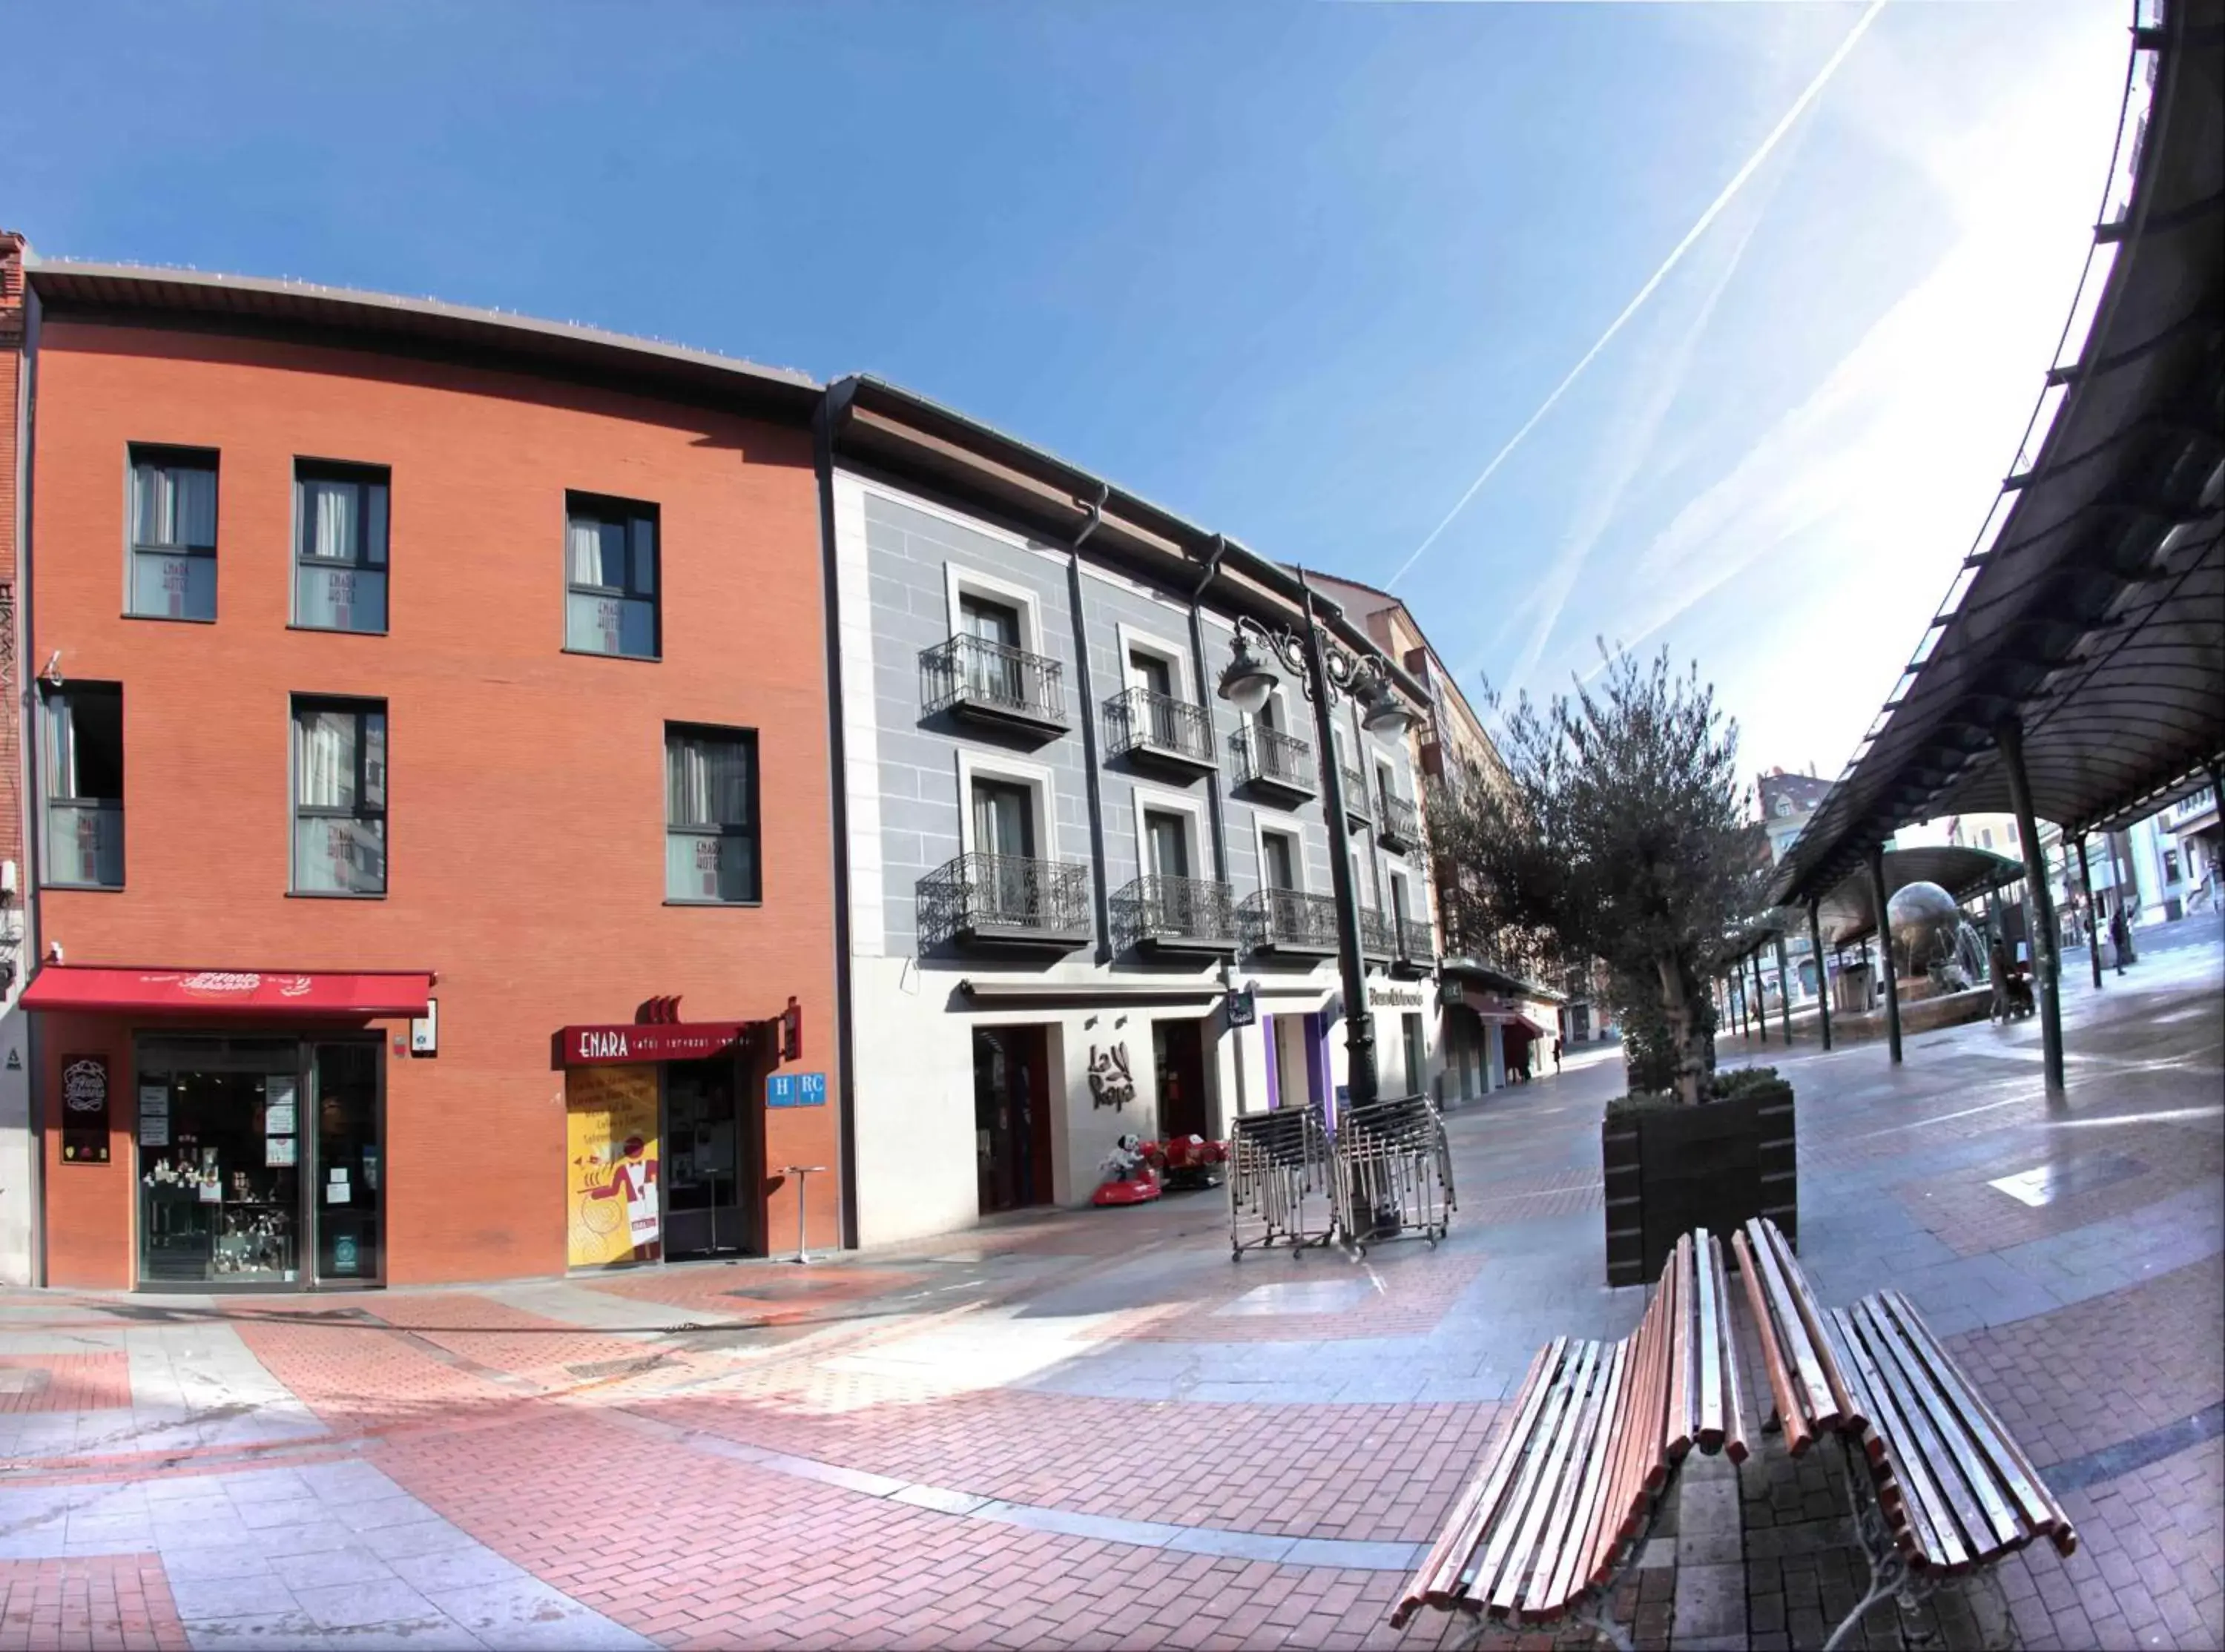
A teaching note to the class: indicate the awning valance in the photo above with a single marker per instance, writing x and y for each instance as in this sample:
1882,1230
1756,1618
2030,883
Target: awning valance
261,992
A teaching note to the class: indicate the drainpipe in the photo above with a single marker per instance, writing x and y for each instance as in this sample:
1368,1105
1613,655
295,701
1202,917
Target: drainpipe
832,405
1205,699
1093,780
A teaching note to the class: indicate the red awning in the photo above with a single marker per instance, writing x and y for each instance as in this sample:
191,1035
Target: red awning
262,993
1511,1018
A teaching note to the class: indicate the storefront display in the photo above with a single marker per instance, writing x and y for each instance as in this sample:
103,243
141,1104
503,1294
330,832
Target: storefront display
611,1122
221,1161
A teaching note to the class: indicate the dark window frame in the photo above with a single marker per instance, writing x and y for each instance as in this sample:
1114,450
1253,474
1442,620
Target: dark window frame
753,829
168,455
75,802
608,508
362,474
296,810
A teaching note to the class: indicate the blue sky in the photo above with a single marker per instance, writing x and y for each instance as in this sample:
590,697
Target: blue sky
1297,271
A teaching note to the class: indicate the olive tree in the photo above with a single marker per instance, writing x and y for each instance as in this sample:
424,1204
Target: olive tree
1621,830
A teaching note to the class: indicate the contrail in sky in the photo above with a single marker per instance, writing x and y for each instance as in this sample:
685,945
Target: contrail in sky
1714,210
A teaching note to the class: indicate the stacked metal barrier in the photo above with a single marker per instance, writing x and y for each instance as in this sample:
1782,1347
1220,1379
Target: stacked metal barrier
1279,1180
1392,1171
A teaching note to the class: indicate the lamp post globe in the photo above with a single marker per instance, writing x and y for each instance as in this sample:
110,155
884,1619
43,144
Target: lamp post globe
1247,681
1381,713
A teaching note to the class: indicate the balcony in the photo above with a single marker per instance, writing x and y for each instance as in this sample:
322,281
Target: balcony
1277,767
1158,730
1378,937
1006,902
1355,795
1417,949
1398,826
1177,917
1290,923
991,683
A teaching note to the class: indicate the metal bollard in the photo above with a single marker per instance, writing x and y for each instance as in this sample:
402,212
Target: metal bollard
802,1173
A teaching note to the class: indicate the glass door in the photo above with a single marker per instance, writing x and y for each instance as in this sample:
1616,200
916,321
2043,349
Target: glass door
710,1176
348,1198
219,1189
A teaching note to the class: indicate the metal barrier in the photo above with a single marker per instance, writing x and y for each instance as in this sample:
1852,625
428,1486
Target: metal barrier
1279,1177
1392,1172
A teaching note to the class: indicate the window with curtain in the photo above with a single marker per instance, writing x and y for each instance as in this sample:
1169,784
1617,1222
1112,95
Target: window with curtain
82,773
609,558
340,572
710,815
173,533
340,797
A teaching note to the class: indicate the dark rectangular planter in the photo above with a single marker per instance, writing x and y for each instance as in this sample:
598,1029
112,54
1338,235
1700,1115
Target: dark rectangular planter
1670,1169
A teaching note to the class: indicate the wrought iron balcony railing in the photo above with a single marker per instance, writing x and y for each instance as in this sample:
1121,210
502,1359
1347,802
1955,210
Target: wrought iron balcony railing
1290,921
1398,824
1417,942
1377,938
1005,899
1144,724
1273,761
1176,915
973,676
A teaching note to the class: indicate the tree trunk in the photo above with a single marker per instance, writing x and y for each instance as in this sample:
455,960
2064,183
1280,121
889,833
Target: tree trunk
1687,1033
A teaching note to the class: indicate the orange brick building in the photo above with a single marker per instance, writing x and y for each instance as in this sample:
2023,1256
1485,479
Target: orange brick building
433,875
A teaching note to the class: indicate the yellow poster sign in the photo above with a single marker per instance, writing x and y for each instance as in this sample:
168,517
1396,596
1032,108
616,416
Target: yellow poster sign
612,1176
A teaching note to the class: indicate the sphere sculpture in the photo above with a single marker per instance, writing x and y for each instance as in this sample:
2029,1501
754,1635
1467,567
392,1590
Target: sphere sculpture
1926,922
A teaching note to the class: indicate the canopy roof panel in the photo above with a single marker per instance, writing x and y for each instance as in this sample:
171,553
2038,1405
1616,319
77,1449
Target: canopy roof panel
2093,610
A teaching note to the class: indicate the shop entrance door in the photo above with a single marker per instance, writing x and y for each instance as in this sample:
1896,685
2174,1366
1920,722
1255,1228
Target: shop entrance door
713,1145
1178,1057
1012,1118
348,1201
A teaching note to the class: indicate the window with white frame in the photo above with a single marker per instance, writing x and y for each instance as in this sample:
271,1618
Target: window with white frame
1278,859
339,575
173,530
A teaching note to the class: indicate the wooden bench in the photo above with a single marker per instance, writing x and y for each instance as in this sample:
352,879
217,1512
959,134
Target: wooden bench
1566,1493
1948,1489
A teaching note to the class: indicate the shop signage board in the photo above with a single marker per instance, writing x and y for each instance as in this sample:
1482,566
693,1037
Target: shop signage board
1243,1008
796,1089
630,1042
612,1174
84,1110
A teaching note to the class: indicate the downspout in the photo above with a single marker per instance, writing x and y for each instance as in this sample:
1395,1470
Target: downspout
1099,896
1197,655
831,406
29,952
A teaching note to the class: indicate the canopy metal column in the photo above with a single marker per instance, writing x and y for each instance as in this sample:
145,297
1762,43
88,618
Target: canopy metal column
1784,994
1884,952
2093,928
2008,738
1761,996
1822,975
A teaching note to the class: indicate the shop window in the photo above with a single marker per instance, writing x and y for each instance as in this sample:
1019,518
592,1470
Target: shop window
340,574
173,574
611,567
340,797
83,785
710,815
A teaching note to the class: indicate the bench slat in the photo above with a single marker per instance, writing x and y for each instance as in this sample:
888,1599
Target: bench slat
1961,1465
1709,1333
1861,1381
1790,1416
1531,1552
1571,1573
1911,1523
1614,1493
2038,1505
1811,1320
1441,1570
1939,1540
1481,1575
1678,1426
1812,1389
1734,1400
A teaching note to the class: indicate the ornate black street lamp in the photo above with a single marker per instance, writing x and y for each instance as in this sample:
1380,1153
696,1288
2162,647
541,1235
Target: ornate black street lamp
1327,670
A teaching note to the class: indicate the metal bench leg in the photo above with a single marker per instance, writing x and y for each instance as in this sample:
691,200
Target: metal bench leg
1891,1576
1598,1612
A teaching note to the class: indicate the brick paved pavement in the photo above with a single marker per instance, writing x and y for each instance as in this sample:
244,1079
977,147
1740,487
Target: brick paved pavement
1091,1429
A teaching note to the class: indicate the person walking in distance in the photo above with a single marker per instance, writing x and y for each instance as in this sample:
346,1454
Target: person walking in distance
2120,937
1557,1055
1997,972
